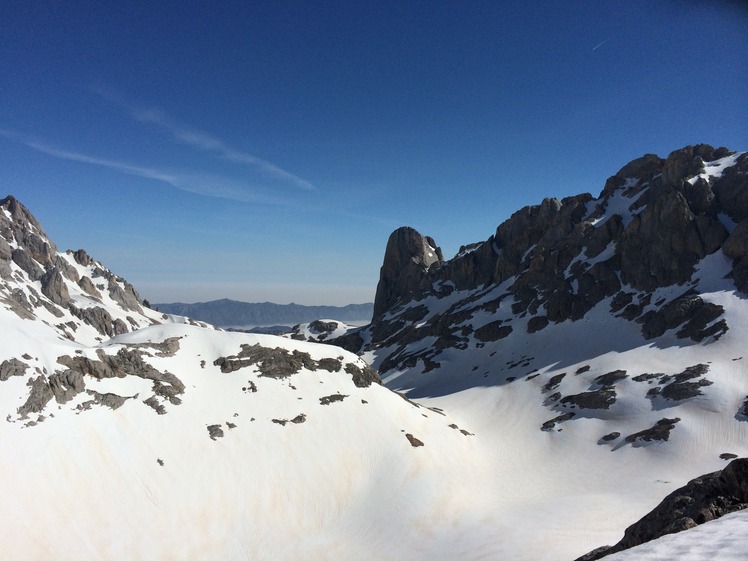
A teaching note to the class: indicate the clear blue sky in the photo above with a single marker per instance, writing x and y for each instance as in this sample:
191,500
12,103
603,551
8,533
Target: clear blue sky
266,150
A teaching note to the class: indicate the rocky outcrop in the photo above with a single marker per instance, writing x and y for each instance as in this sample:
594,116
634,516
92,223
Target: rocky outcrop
101,320
41,279
689,311
407,258
54,288
660,431
124,294
12,367
652,224
66,385
702,499
26,231
281,363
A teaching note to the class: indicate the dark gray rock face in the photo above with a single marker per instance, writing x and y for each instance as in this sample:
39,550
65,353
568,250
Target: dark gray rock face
111,400
54,288
18,303
406,259
362,377
127,362
736,247
126,297
88,287
215,432
651,225
663,243
23,259
548,425
272,362
602,398
702,499
492,331
26,231
39,395
687,384
414,442
101,320
689,311
66,385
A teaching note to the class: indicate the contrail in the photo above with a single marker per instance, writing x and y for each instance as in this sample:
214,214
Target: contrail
600,45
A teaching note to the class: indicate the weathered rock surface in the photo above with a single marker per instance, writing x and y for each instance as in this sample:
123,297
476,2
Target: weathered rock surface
660,431
602,398
39,395
362,377
66,385
280,363
407,257
12,367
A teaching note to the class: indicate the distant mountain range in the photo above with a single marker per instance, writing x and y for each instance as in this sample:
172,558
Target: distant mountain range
232,313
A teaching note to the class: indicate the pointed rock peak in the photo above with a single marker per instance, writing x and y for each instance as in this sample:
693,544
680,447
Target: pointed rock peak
407,258
688,162
408,243
20,214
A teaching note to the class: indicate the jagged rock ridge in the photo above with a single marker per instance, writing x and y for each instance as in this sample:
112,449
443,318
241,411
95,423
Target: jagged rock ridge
654,222
83,300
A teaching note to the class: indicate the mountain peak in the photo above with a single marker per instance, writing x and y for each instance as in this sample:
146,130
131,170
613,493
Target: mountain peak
407,257
76,296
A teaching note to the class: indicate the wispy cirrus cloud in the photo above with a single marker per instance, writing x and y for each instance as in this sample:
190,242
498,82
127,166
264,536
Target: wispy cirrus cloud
209,185
190,136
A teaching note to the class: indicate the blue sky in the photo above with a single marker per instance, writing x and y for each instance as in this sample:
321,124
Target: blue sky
266,150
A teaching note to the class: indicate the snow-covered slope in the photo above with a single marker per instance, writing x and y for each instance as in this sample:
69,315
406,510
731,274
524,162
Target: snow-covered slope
297,456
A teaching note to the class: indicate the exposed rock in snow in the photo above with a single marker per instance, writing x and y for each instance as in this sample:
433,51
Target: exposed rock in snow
703,499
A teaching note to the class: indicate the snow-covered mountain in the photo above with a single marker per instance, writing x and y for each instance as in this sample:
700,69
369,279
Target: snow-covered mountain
558,381
130,434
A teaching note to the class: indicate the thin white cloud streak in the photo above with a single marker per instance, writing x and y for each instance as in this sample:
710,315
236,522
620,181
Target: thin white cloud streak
203,141
198,184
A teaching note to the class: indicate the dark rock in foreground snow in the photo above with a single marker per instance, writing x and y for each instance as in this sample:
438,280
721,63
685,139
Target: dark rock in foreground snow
703,499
